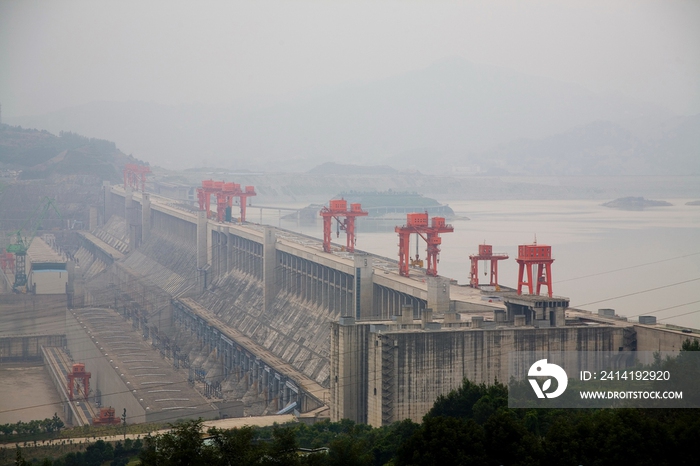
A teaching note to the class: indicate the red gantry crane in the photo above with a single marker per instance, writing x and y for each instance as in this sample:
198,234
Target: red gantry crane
78,373
204,193
243,195
135,176
541,256
430,232
339,208
225,192
485,254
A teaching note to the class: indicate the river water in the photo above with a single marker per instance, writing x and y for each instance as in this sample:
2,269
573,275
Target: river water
636,262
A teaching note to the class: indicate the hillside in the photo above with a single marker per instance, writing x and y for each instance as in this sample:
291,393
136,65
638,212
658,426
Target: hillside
420,120
40,155
68,168
602,148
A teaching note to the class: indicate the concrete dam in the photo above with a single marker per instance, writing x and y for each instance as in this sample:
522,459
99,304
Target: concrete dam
265,316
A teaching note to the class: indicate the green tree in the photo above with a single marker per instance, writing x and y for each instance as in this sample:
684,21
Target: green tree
183,445
350,450
471,401
445,441
508,441
235,447
283,449
690,346
19,459
56,423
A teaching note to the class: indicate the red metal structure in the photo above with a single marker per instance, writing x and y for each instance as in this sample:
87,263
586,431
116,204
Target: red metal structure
430,232
225,192
530,255
243,195
135,176
7,261
234,190
339,208
106,417
485,254
204,193
82,376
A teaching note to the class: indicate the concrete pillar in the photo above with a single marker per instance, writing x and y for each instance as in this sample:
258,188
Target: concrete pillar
559,317
202,249
439,294
129,217
106,201
145,216
270,287
70,286
92,218
364,287
499,315
426,318
406,315
348,370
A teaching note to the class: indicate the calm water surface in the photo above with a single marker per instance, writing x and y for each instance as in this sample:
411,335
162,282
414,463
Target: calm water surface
635,262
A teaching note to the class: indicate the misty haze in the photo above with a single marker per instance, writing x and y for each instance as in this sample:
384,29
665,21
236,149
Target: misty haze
344,214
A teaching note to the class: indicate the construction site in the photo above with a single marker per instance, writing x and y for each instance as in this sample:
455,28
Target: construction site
160,309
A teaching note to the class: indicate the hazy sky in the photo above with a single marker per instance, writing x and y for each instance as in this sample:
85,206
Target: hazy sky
55,54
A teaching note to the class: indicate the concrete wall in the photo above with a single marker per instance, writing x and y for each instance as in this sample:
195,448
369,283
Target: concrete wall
658,339
349,371
27,348
48,281
24,314
115,392
407,371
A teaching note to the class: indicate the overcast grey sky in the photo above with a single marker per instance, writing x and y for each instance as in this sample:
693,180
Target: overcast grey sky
55,54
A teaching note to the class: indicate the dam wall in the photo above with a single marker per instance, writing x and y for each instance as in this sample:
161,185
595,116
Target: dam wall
402,372
254,309
27,348
650,338
29,314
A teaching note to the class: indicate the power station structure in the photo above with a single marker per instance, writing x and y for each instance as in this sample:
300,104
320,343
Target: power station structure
485,254
530,255
225,194
135,176
338,209
430,232
183,316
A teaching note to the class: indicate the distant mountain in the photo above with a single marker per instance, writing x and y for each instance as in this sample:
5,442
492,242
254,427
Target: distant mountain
449,111
39,155
603,148
331,168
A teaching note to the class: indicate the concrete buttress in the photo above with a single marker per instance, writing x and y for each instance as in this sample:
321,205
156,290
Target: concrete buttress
269,268
145,216
106,202
202,249
439,294
363,287
129,209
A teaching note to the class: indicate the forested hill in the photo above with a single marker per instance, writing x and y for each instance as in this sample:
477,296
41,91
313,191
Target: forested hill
35,154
